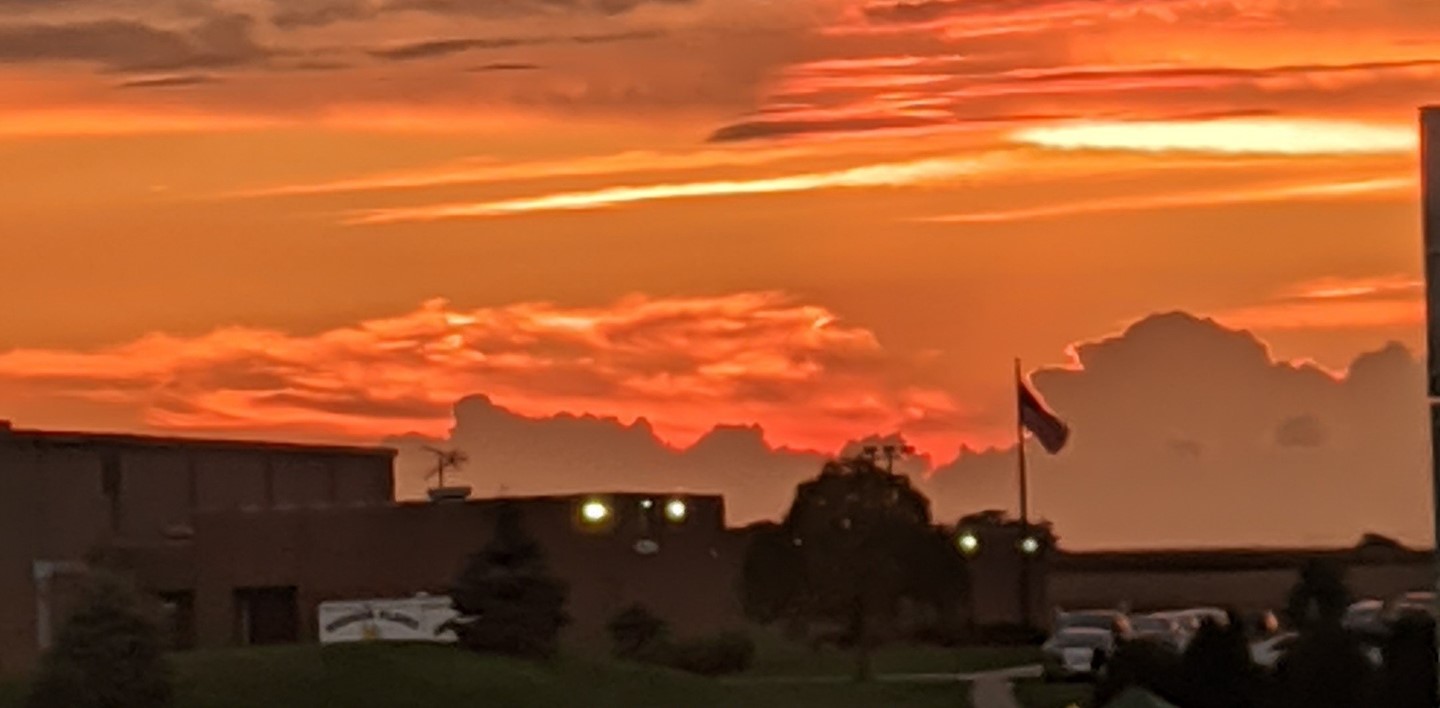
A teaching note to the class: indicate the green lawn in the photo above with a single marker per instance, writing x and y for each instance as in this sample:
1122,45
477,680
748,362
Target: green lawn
1039,694
422,676
777,656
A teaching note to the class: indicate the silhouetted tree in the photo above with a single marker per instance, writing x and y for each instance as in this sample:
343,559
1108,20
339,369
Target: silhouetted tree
1326,667
108,655
848,555
1219,671
506,598
1320,597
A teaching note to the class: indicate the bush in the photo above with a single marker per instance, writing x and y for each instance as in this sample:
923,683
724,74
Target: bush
108,655
635,633
722,654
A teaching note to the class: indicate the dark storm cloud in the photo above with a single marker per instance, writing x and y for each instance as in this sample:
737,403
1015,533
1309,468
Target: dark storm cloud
123,45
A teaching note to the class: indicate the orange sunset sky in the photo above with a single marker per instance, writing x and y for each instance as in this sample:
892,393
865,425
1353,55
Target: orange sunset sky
806,221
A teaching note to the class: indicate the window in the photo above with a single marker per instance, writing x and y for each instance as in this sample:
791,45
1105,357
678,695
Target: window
266,615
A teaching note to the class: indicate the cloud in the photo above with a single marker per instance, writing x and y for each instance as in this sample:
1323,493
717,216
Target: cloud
293,14
752,357
564,453
520,8
123,45
1329,191
487,170
503,67
925,171
444,47
1336,303
1238,135
174,81
1252,423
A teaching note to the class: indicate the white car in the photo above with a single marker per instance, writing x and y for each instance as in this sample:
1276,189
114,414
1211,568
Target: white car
1162,628
1071,653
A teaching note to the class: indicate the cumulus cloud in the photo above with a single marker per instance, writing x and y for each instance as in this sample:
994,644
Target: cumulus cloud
1187,431
757,357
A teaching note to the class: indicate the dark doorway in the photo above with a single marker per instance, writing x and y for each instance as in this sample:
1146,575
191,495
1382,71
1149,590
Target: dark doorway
179,611
267,615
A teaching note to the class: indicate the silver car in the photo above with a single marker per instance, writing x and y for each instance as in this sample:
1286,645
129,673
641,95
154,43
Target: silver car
1077,652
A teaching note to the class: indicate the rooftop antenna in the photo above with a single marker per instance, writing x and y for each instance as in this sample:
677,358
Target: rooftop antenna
446,460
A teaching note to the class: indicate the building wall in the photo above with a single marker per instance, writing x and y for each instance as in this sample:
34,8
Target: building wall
398,551
1244,589
64,495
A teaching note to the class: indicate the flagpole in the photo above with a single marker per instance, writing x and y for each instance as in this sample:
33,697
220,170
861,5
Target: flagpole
1025,594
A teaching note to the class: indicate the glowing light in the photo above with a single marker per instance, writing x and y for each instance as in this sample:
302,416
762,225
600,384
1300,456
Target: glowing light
1239,135
647,503
969,544
676,510
1030,546
594,512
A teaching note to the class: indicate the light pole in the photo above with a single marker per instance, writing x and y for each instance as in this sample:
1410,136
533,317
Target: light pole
1430,215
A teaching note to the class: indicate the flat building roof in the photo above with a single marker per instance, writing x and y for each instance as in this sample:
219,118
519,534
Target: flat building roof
74,438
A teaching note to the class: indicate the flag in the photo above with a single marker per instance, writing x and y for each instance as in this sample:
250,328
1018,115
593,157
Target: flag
1044,425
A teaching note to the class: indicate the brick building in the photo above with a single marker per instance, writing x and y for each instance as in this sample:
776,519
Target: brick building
64,495
241,541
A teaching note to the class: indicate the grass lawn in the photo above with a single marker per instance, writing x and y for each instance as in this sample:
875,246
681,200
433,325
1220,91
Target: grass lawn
777,656
423,676
1039,694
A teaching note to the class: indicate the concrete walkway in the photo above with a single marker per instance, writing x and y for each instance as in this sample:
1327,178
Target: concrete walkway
993,692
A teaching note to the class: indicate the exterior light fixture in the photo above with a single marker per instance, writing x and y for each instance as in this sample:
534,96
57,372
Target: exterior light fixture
647,503
969,543
594,511
1030,546
676,510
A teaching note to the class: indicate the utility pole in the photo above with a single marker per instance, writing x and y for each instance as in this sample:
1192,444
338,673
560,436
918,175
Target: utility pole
1025,590
1430,209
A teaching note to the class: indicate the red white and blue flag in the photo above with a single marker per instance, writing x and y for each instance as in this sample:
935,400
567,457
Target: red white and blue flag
1043,424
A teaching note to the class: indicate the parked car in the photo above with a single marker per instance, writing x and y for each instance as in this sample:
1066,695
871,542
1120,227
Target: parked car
1188,621
1112,621
1366,618
1161,628
1420,602
1077,652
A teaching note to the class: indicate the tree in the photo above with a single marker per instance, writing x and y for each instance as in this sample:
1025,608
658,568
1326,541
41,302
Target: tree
1327,666
855,547
1320,598
108,654
506,599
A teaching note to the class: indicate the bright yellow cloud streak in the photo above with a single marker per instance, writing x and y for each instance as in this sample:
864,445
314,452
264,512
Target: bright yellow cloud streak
1239,135
883,175
1323,190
